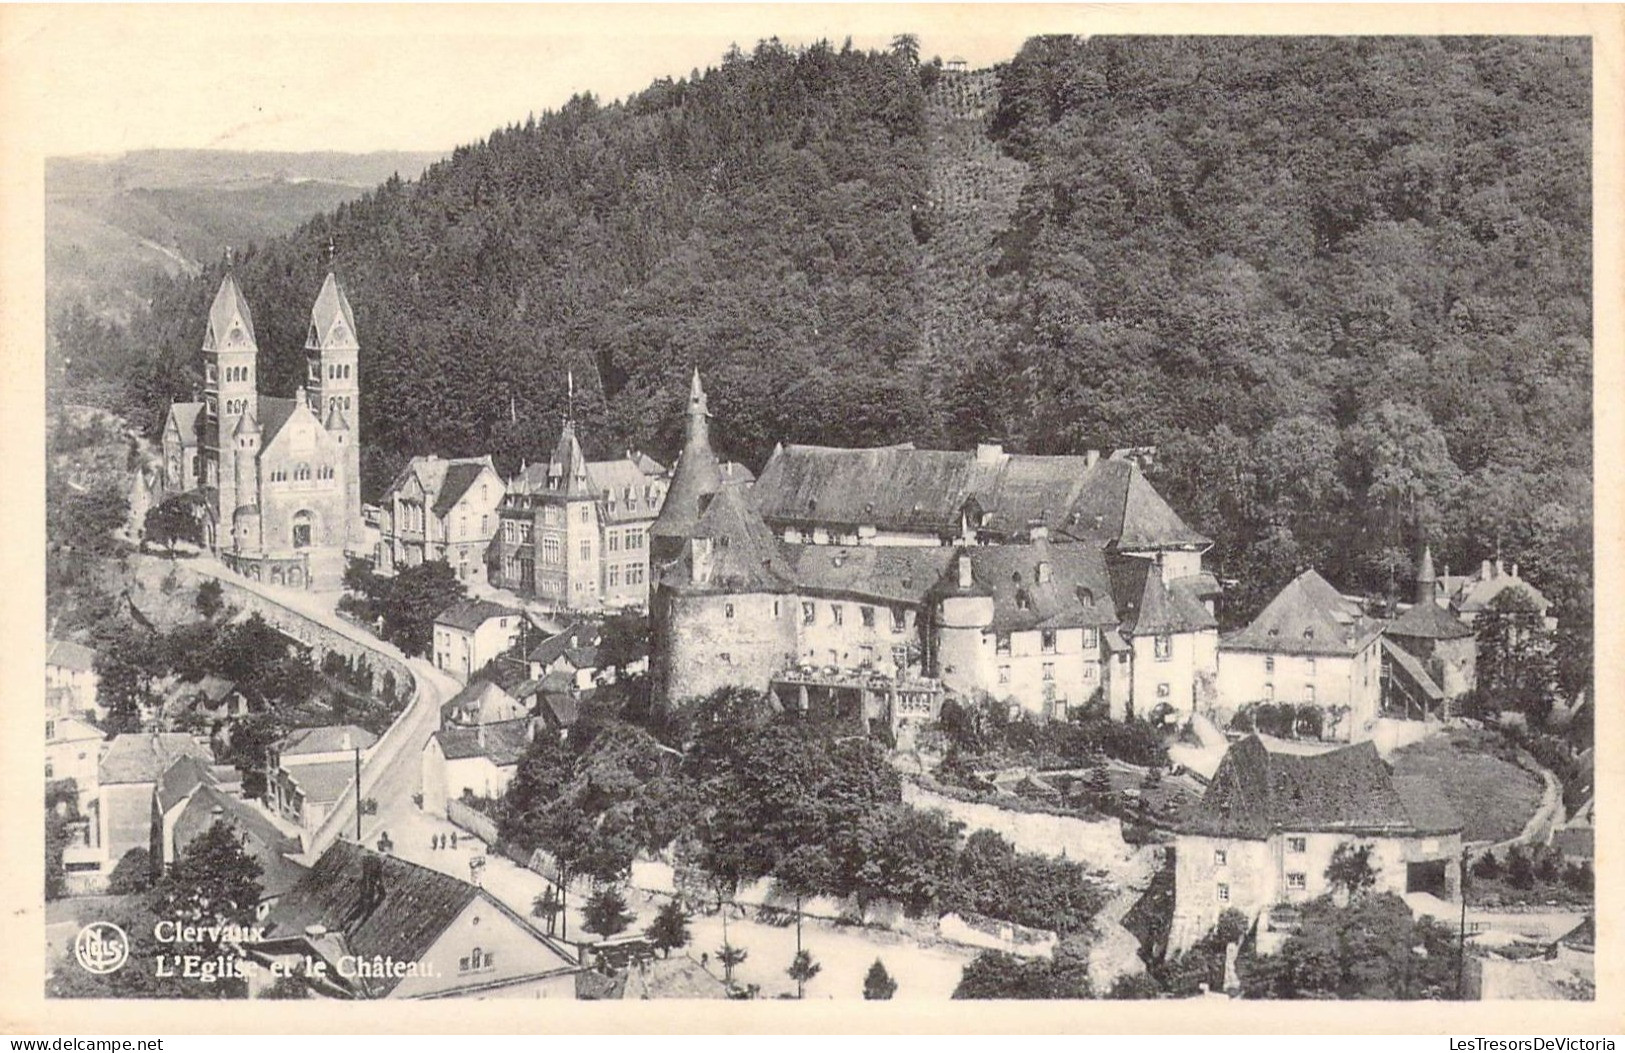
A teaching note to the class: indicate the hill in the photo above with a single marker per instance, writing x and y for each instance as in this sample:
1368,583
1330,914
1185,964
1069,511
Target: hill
110,222
1342,285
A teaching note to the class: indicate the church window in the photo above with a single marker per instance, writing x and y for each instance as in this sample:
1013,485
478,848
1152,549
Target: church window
615,575
302,472
302,530
209,372
586,549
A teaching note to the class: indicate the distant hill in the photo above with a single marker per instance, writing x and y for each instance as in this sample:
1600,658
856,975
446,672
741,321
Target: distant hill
112,222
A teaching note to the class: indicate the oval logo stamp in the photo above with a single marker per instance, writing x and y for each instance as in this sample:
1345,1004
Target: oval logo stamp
101,947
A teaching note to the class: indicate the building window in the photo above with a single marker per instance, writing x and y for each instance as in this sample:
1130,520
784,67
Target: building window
728,610
1091,639
1164,691
806,614
485,526
1309,694
634,574
868,616
1219,858
586,549
899,619
1163,645
50,729
1309,666
1049,670
836,611
613,541
899,657
584,514
477,962
1004,674
1269,692
1297,882
1297,844
1001,643
1046,641
615,580
1269,663
1224,893
775,609
550,550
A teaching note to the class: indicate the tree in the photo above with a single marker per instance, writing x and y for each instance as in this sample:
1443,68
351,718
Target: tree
670,928
1366,950
1487,866
605,912
132,874
995,974
731,958
802,969
1520,871
805,871
878,986
1351,869
213,880
176,519
413,599
210,598
547,905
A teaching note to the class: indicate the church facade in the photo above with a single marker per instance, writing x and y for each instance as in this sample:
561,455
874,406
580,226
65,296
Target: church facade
280,478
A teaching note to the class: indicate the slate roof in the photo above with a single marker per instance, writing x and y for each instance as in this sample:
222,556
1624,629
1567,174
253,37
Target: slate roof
268,844
185,415
502,743
610,480
1307,617
1078,594
645,464
745,555
460,476
910,490
180,779
272,414
1473,593
1429,621
696,475
399,921
1257,792
229,306
327,739
562,706
468,706
896,574
469,615
142,757
323,782
550,650
65,654
1149,606
1413,670
330,308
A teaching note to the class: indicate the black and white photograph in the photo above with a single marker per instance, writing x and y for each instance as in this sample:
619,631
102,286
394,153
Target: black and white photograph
815,504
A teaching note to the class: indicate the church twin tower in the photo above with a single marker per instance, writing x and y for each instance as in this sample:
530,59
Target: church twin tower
280,477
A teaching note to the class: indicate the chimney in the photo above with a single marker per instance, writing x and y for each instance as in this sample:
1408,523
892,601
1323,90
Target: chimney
966,578
1038,532
1514,570
988,452
344,742
1090,458
316,931
1043,572
1484,571
479,735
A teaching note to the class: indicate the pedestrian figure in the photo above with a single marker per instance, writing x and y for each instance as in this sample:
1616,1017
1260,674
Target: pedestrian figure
705,959
454,839
434,842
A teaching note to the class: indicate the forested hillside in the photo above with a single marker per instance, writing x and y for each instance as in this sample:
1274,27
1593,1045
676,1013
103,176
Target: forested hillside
1341,284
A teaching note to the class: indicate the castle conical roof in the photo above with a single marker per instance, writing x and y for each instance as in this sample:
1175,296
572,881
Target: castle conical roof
697,475
332,323
230,321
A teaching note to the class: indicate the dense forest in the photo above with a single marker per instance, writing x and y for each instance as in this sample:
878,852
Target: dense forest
1342,285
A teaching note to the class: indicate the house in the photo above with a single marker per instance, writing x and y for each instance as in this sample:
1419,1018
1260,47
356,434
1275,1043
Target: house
575,533
1167,641
190,798
1309,646
71,680
1429,656
127,776
312,768
213,697
279,478
73,750
573,652
439,509
481,702
470,633
478,760
387,928
1269,823
1470,595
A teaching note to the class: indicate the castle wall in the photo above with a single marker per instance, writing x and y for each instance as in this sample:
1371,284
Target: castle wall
704,649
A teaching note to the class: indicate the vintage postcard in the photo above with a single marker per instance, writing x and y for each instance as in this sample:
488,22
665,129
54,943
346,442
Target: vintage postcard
529,512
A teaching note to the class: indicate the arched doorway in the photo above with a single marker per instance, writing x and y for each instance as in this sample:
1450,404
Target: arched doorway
304,529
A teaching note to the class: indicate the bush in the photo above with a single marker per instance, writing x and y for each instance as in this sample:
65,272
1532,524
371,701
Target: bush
1520,872
1487,867
132,874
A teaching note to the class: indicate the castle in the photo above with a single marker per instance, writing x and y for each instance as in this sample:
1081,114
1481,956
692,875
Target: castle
280,478
864,585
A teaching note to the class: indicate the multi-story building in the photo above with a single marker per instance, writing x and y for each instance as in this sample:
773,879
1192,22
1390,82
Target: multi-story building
280,478
575,534
1269,824
470,633
439,509
1430,656
1311,646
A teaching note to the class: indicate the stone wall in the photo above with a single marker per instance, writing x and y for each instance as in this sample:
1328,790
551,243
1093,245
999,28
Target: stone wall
1094,843
475,822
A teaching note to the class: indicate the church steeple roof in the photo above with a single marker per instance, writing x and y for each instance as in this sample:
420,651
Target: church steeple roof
332,323
230,321
567,468
1426,580
336,420
247,425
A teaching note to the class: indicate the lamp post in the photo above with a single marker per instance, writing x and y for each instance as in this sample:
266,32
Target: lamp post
1461,932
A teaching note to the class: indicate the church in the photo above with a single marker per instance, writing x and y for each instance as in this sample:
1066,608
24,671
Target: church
280,477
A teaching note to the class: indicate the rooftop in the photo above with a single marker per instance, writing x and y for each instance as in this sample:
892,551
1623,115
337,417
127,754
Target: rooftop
142,757
469,615
1307,617
332,738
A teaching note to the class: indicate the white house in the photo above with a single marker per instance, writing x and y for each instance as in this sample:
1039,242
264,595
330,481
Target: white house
312,769
471,633
130,768
73,750
439,509
479,760
70,679
1309,646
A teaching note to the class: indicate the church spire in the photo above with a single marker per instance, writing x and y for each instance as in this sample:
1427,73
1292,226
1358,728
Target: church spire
1426,580
697,476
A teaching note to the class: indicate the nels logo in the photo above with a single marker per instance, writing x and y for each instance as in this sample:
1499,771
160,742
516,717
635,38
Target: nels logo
101,947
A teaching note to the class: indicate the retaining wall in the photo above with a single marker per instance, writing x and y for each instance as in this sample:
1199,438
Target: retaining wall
1094,843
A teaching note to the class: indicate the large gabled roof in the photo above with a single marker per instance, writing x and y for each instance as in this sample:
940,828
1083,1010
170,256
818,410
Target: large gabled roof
272,414
460,476
469,615
502,743
1148,606
1429,621
469,705
1257,792
745,556
65,654
326,739
332,323
141,757
1307,617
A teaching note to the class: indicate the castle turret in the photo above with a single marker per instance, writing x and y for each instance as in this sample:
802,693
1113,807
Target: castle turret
230,355
244,520
333,388
696,477
1427,583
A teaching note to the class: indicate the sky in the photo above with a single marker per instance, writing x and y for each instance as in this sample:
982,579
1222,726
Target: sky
377,77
